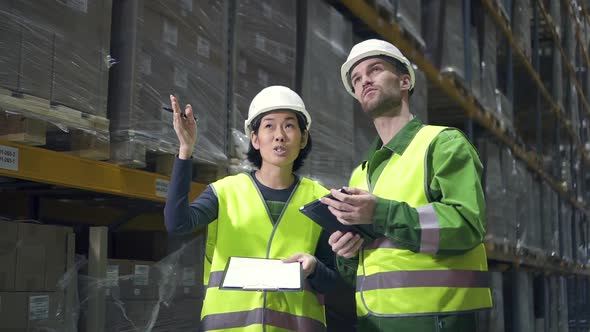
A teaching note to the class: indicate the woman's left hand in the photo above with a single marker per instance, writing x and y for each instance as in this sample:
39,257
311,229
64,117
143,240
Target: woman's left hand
308,262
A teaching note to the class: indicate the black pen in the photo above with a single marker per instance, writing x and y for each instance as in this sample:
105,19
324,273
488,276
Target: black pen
168,109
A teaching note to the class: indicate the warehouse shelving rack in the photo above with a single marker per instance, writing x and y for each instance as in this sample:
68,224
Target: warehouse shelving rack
41,165
45,166
474,113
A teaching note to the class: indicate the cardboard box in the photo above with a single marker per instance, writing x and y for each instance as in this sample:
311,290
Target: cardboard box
13,311
160,50
40,257
9,37
24,311
36,47
190,283
129,315
136,280
55,249
31,257
182,315
8,241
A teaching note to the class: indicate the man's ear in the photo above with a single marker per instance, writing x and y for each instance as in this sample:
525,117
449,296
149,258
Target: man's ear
405,82
304,138
254,140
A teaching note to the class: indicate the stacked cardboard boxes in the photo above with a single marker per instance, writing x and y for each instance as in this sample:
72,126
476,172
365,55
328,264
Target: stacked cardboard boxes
34,288
167,48
50,57
328,41
263,53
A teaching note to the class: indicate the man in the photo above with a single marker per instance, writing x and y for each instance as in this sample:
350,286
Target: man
420,189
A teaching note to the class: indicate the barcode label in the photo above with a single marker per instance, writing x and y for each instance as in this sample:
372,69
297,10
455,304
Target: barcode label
8,158
170,33
79,5
141,275
38,307
112,276
180,77
203,47
161,188
188,276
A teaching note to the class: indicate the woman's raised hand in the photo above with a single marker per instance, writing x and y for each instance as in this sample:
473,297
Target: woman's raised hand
185,127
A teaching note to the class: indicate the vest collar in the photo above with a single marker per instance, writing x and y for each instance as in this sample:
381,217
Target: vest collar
398,143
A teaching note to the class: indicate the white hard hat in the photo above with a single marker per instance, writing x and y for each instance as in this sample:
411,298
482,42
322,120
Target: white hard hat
272,98
372,48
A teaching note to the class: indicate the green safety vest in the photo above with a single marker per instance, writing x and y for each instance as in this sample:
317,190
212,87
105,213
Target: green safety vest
392,281
244,228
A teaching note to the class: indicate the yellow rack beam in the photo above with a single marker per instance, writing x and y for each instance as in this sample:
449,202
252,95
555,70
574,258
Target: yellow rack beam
566,60
45,166
559,113
393,33
548,264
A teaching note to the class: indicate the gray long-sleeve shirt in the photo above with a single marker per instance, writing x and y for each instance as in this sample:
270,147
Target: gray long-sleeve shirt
182,217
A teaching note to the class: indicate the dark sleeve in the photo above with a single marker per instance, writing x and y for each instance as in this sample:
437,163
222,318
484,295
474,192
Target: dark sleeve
179,216
325,275
348,269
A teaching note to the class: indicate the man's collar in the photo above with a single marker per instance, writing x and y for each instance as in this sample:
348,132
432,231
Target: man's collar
400,141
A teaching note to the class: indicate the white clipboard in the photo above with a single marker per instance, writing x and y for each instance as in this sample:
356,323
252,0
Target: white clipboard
261,274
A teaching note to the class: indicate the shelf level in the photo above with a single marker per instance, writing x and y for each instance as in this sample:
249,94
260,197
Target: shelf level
45,166
393,33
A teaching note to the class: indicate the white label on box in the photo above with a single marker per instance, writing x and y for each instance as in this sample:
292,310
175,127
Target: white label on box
79,5
38,307
203,47
136,291
142,275
180,77
186,5
162,188
281,56
8,158
262,77
242,66
145,64
112,276
260,42
170,33
188,276
267,11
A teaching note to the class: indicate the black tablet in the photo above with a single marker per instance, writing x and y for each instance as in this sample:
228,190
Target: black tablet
321,215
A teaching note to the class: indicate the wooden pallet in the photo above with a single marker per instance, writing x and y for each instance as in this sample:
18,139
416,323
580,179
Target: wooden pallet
34,121
34,107
142,153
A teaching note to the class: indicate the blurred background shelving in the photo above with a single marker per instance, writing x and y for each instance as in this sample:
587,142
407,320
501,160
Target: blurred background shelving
86,149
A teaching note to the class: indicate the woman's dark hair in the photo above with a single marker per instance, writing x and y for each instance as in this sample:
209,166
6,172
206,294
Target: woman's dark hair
254,155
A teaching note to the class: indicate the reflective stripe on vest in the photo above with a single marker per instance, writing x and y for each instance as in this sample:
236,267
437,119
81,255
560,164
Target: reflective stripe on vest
392,281
244,228
257,317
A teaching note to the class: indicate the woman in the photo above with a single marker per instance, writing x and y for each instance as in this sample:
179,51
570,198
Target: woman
256,215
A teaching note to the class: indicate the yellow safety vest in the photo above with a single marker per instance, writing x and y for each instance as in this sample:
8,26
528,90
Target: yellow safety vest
392,281
244,228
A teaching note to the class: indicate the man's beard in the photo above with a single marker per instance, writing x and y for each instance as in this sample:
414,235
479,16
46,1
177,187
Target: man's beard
389,105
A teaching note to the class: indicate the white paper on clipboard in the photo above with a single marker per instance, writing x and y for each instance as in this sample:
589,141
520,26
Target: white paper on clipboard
262,274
